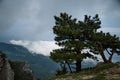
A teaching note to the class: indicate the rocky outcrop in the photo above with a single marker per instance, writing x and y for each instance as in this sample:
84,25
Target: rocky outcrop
6,73
26,68
14,70
22,70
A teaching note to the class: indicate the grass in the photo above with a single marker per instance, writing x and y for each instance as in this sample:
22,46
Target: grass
98,77
95,71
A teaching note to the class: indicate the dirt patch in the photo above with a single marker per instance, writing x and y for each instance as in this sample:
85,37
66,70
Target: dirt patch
84,77
112,77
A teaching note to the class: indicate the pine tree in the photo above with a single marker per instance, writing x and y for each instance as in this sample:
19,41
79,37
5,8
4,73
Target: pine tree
100,42
72,37
105,43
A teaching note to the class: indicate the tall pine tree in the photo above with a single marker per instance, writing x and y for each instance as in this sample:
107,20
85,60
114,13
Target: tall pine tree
72,37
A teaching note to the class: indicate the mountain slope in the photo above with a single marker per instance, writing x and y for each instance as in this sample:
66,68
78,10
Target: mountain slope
103,71
42,66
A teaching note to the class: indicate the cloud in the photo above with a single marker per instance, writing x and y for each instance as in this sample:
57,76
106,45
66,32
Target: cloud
39,47
19,18
45,47
95,55
33,19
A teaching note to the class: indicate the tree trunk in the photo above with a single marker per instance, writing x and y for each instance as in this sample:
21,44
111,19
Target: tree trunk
110,58
69,66
104,58
78,66
102,53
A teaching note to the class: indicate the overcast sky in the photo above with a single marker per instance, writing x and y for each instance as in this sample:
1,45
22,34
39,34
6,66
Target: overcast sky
32,20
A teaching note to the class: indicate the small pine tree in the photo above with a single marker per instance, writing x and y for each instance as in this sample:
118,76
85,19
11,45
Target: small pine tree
106,43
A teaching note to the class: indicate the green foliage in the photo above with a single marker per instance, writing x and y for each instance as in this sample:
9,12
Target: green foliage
98,77
73,37
103,66
105,42
98,73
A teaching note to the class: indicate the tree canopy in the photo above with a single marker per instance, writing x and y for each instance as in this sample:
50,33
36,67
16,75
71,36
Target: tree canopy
74,36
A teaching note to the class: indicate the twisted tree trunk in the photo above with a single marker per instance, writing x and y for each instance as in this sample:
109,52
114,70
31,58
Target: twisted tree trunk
78,65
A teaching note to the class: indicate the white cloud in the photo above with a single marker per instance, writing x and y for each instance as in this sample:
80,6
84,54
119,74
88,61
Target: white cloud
45,47
40,47
95,55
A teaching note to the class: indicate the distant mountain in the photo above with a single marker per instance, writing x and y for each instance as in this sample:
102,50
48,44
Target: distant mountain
41,65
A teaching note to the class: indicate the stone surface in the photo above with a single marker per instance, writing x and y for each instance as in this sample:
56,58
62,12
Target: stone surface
14,70
6,73
22,70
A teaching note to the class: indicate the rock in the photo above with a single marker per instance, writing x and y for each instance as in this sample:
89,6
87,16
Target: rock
22,70
26,68
14,70
6,73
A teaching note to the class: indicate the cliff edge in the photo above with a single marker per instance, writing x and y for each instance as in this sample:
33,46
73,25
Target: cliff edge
6,72
14,70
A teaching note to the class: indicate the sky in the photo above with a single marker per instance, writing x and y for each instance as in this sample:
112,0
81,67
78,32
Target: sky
31,21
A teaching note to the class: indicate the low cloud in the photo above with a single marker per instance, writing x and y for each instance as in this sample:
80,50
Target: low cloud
39,47
44,47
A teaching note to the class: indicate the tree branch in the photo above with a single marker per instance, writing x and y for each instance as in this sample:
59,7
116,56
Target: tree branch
108,52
